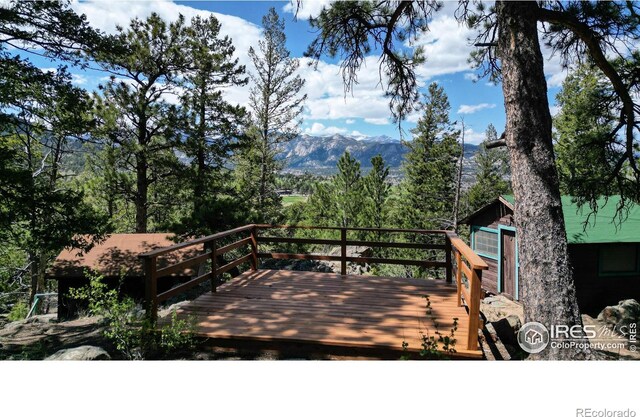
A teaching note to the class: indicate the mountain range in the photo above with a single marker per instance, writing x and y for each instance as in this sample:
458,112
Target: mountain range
319,154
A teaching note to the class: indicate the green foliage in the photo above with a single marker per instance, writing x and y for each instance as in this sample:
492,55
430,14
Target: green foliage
131,334
352,30
438,345
18,311
276,105
377,190
41,212
349,199
587,151
177,334
135,117
212,127
348,191
431,166
301,184
491,175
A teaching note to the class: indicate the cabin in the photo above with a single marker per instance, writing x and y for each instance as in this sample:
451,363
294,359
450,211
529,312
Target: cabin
116,259
605,255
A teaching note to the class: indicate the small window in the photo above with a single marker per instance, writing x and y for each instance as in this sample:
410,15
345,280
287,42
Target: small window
619,259
485,242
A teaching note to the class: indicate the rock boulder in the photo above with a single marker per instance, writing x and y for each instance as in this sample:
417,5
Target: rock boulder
81,353
627,311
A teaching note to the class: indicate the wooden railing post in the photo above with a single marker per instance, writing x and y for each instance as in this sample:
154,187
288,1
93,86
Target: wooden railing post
151,288
474,308
447,245
343,251
458,279
214,265
254,249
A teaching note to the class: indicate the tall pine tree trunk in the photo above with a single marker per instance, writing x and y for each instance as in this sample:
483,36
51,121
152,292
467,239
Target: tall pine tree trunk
263,176
199,188
546,277
142,181
142,189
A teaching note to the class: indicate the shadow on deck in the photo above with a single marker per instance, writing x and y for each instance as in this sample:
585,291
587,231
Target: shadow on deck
349,314
335,314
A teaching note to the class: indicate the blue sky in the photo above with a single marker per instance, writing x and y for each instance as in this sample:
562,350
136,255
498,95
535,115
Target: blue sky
327,110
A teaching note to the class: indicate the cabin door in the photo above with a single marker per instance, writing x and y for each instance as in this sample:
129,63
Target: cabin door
508,263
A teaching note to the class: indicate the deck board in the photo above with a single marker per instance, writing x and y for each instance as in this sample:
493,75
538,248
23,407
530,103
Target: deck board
325,309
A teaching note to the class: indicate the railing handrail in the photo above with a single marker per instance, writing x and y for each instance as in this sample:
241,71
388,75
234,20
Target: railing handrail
475,261
220,235
473,295
452,245
356,229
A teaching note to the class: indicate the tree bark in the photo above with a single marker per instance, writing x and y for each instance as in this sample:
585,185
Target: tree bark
142,181
456,203
546,277
142,189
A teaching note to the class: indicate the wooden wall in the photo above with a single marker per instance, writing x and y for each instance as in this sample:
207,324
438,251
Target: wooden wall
490,276
492,216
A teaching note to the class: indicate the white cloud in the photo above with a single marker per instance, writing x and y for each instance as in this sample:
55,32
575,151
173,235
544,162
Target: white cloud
554,110
473,137
356,134
318,129
470,76
79,79
446,46
556,80
326,99
473,108
377,120
308,8
350,121
106,15
414,117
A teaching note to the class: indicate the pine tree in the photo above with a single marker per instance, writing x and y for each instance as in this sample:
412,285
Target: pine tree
492,173
321,209
377,191
146,127
431,165
40,210
41,115
347,188
276,105
213,125
585,149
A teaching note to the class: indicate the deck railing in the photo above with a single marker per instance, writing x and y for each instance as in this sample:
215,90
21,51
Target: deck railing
467,263
470,266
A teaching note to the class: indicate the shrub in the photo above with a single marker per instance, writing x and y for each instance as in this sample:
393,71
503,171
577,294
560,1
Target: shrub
131,334
18,311
435,346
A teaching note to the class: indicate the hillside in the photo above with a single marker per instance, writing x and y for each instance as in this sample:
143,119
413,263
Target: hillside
319,154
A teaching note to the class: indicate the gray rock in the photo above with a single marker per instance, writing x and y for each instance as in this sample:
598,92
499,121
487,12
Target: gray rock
627,311
507,329
81,353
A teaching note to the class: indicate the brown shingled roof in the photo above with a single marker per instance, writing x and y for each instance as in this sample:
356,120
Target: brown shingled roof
118,254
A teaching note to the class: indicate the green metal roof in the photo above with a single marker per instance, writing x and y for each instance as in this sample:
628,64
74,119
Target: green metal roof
602,228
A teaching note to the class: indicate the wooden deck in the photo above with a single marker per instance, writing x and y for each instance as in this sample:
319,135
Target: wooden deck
316,310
